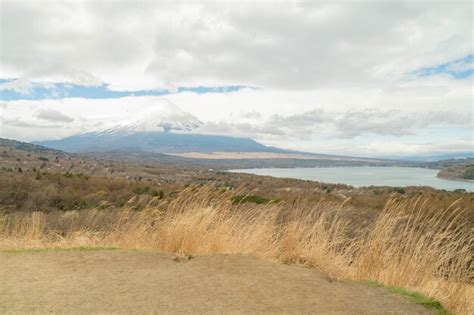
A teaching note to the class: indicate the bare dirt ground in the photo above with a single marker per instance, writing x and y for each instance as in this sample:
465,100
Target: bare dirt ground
120,281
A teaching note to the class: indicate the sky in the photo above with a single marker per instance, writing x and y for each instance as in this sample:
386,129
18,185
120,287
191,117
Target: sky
367,78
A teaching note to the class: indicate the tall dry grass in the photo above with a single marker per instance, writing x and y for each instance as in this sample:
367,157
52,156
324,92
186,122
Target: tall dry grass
410,244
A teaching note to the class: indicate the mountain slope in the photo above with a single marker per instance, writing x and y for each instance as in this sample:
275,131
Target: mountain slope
156,142
162,128
8,144
163,116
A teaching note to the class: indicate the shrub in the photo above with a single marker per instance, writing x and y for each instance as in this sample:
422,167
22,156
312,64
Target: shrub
469,173
399,190
249,198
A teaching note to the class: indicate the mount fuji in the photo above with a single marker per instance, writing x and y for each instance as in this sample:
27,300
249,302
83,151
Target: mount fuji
163,128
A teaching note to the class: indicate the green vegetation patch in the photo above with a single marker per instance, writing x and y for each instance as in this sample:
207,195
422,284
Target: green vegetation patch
252,198
57,249
399,190
416,297
468,172
142,190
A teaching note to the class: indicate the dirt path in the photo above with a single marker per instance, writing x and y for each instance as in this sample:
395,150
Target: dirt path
117,281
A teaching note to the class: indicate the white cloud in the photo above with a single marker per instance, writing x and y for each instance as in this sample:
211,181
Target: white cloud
53,116
288,45
401,149
23,86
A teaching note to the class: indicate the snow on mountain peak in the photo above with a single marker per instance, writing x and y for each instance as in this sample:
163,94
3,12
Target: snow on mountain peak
161,117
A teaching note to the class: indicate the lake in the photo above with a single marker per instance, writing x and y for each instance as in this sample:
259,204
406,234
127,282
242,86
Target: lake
366,176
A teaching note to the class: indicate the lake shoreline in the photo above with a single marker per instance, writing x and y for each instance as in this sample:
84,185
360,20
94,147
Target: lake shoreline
364,176
456,179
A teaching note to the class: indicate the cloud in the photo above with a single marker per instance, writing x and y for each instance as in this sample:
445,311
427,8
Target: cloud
284,45
53,116
23,86
21,123
394,122
341,125
240,129
402,149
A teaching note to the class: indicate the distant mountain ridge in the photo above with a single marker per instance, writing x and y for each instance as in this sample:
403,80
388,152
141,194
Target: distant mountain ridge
434,157
162,128
29,147
156,142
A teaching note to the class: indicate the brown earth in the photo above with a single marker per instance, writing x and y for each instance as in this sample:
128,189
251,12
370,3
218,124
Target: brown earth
120,281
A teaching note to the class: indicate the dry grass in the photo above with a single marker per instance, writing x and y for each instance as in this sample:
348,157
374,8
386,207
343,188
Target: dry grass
410,244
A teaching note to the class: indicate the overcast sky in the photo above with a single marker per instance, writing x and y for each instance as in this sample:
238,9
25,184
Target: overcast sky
363,78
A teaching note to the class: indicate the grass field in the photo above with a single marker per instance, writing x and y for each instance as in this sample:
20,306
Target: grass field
411,244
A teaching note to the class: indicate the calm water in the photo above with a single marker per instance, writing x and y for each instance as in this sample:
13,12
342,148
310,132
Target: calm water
366,176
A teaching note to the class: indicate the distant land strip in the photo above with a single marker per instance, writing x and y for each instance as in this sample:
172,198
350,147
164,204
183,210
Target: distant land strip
260,155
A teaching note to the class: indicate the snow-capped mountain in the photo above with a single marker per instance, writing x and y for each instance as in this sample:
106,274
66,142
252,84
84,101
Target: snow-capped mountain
163,128
163,117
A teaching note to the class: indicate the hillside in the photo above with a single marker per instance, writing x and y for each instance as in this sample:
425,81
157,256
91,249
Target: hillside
54,199
461,172
459,169
29,147
155,142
